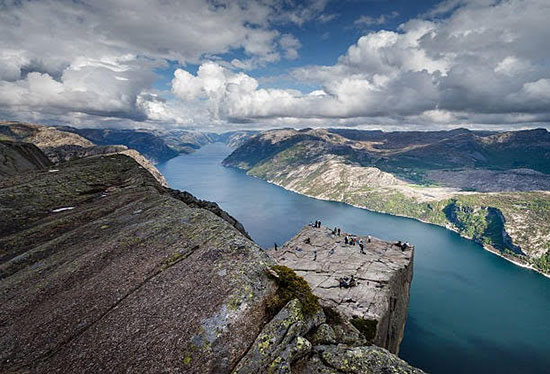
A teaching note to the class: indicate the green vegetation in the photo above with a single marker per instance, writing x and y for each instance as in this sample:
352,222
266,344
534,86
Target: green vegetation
367,327
292,286
515,223
543,262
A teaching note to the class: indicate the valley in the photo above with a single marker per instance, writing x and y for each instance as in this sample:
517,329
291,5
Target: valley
489,187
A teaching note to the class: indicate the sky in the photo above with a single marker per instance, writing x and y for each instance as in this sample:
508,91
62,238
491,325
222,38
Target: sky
219,65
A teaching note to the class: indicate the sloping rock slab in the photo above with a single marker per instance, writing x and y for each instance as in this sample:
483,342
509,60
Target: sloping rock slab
103,270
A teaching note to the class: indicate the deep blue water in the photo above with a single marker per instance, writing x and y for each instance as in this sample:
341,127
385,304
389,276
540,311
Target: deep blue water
470,311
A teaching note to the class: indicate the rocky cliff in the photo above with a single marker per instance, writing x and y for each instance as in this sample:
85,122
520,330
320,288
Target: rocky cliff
377,304
389,172
103,269
61,146
18,157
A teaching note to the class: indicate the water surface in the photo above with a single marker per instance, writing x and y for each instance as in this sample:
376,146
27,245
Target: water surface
470,311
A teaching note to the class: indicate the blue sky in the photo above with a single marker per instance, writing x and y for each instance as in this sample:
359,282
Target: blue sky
322,41
226,64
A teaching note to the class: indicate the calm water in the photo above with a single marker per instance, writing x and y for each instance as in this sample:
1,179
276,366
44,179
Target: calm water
470,311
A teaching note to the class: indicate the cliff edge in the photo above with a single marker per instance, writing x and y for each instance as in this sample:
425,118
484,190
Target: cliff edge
376,305
103,269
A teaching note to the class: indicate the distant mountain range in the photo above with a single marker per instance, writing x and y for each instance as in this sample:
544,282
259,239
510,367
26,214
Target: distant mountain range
155,145
489,186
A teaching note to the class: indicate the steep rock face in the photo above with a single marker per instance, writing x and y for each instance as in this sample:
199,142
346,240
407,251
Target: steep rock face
289,343
104,270
377,305
17,157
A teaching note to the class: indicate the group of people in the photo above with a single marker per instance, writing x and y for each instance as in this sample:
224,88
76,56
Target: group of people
347,282
353,241
403,246
336,231
316,224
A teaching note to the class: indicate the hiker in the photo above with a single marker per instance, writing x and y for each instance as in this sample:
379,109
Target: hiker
275,245
346,239
307,240
353,240
344,282
338,231
334,231
314,255
319,224
368,238
331,251
361,246
347,282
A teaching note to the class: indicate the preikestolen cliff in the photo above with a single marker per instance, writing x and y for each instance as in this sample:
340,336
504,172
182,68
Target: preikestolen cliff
275,187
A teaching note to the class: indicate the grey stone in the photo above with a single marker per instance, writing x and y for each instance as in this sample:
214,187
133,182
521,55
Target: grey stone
377,305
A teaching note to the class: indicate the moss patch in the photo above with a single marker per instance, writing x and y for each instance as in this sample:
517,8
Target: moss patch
292,286
367,327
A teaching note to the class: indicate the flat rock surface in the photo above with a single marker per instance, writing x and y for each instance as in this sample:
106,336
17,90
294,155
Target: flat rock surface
383,274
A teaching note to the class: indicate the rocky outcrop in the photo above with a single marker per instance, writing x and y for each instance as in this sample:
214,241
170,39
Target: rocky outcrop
148,144
103,269
18,157
289,344
61,146
377,305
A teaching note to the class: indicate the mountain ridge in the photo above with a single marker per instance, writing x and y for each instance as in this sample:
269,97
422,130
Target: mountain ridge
423,179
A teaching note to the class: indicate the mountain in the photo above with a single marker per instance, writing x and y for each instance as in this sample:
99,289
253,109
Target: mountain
104,269
491,187
148,144
186,141
61,146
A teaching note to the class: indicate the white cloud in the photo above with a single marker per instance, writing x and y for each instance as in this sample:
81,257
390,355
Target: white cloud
367,21
465,62
290,46
484,62
97,58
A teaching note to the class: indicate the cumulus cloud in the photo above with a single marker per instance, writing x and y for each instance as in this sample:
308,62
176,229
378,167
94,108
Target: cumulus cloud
479,62
367,21
98,58
463,62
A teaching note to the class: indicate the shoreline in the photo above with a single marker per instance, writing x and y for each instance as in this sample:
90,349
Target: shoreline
487,248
